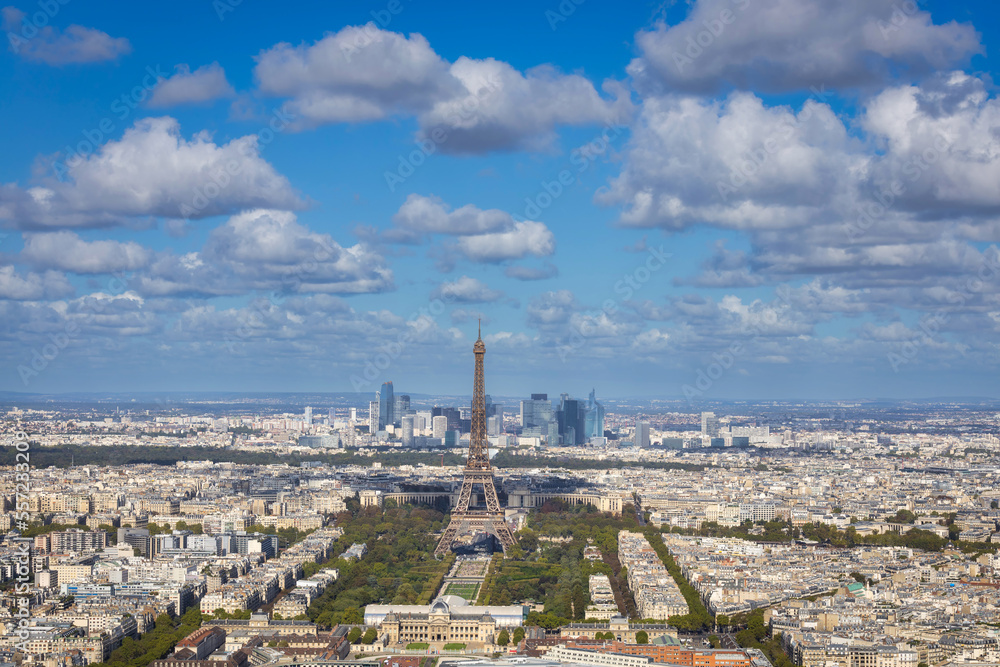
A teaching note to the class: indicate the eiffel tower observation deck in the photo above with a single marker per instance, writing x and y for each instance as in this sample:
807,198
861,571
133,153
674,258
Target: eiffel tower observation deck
465,519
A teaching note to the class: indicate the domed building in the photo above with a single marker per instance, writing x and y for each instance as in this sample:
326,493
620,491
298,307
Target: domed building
448,619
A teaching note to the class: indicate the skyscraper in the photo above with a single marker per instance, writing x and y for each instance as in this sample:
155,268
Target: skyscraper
307,416
400,408
373,418
451,414
536,412
537,419
407,423
571,418
439,425
641,434
594,426
709,425
386,406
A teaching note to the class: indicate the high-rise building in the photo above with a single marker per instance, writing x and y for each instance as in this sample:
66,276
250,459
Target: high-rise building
354,415
400,409
594,424
493,425
307,417
386,406
536,412
407,424
453,416
373,418
709,424
571,417
439,425
641,434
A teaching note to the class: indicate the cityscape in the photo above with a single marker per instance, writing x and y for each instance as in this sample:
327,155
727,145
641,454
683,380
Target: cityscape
549,334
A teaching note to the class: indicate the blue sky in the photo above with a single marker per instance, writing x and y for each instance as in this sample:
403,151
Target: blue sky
715,199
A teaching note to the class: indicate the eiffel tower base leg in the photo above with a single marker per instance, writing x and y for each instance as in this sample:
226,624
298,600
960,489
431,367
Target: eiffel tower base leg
464,523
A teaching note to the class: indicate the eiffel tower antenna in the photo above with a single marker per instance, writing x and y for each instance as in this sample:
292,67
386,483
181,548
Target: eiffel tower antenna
478,472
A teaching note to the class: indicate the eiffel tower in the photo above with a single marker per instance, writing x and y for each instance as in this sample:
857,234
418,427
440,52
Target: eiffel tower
478,472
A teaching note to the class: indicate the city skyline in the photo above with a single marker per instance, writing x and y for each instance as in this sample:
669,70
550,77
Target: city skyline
706,201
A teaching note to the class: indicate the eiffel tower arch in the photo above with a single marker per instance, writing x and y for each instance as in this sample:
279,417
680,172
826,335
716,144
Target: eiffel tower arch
478,473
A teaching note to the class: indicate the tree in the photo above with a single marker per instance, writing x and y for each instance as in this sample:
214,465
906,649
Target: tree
354,635
369,637
503,638
528,540
642,637
405,594
353,616
722,620
518,634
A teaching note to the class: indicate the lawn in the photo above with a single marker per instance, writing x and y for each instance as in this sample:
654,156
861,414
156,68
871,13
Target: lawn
467,591
454,647
417,646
